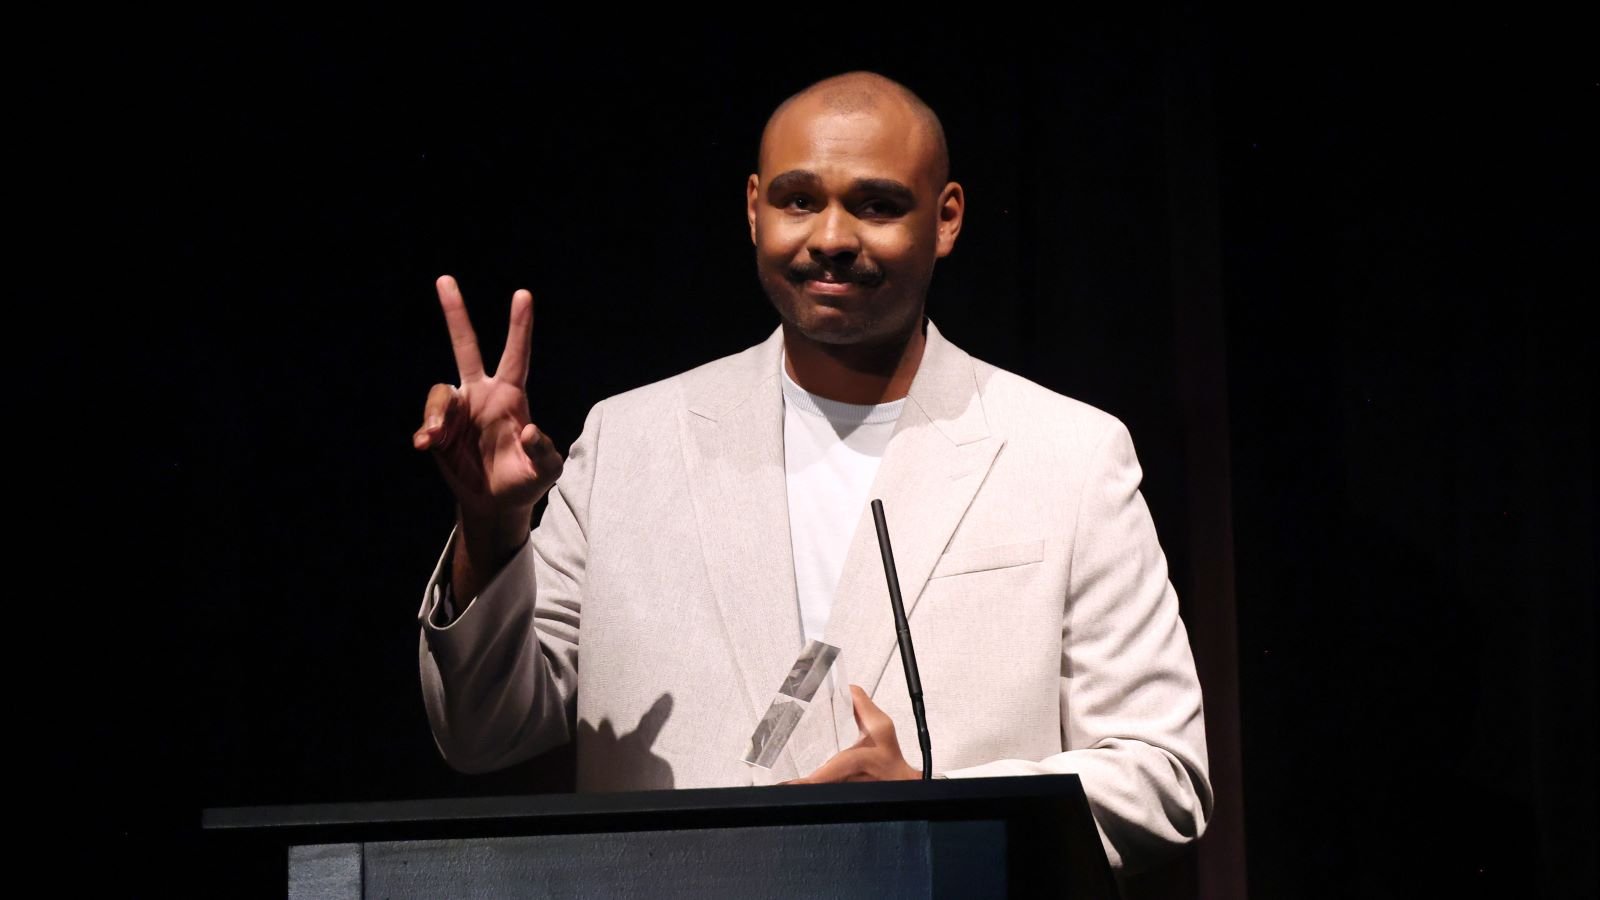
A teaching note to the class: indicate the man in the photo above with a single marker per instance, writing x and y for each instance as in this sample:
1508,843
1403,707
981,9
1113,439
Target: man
703,526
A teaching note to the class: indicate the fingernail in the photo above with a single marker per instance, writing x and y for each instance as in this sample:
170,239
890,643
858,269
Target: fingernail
434,421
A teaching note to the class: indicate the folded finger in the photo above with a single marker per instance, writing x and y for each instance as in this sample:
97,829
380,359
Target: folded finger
843,765
438,413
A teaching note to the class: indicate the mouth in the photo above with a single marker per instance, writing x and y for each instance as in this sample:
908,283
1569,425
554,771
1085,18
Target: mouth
830,286
820,281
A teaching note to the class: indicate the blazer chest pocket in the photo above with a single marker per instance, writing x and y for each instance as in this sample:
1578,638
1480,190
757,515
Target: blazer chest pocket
983,559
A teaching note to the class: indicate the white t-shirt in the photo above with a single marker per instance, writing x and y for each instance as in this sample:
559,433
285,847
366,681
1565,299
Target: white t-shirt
830,456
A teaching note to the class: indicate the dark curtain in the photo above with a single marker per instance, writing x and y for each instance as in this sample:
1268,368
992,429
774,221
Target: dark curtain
1322,282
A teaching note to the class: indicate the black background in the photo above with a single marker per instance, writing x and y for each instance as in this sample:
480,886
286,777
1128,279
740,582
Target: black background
1349,263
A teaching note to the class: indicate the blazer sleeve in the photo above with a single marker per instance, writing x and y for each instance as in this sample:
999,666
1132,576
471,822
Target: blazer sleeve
500,680
1132,725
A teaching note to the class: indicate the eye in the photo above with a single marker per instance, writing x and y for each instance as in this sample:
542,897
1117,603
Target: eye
881,209
798,203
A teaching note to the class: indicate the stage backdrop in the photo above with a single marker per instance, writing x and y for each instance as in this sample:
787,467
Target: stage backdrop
1319,279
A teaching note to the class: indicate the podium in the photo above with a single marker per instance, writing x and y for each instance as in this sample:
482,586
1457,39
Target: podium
984,837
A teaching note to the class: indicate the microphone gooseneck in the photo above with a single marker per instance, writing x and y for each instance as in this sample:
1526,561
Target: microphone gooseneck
903,631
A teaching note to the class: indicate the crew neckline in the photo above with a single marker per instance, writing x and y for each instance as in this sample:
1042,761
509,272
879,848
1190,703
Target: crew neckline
835,410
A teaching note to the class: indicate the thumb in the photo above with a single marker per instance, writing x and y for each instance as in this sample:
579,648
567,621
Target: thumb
857,697
547,462
861,706
870,720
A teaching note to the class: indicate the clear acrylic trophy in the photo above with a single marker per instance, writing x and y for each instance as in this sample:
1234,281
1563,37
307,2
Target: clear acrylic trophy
809,672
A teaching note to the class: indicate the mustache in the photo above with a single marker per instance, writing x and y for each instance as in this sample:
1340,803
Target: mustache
860,273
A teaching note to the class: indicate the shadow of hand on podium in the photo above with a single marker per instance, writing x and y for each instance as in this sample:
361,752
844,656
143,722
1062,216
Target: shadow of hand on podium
555,771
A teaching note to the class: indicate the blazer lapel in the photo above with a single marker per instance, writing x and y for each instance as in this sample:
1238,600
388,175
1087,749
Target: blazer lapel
732,436
939,454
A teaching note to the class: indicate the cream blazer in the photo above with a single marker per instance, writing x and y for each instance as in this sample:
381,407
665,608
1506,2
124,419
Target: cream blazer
652,615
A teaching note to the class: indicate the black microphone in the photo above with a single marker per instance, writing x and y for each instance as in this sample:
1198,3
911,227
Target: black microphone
903,630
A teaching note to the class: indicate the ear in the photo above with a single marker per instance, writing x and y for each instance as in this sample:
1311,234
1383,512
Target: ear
952,206
752,196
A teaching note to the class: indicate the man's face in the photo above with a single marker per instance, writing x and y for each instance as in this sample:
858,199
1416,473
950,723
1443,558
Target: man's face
846,221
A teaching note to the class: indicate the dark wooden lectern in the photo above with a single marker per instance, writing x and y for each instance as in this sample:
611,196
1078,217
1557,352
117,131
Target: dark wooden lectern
983,837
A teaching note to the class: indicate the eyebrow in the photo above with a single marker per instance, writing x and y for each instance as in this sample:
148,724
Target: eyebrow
795,179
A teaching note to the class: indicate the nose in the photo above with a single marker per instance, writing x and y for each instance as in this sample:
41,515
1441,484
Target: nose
834,234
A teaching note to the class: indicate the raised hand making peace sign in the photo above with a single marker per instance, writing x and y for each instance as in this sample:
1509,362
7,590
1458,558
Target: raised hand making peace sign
496,461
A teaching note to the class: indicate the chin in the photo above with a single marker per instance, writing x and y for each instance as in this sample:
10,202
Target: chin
826,324
838,329
842,336
842,321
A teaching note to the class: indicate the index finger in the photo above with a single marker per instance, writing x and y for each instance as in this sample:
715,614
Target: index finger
463,340
844,765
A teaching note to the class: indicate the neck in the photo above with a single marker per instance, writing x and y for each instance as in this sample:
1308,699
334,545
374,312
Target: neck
862,375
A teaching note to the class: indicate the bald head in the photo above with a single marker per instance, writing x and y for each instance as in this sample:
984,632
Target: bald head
849,209
868,93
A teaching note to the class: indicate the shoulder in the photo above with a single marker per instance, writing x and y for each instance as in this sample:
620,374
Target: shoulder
1025,412
709,388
